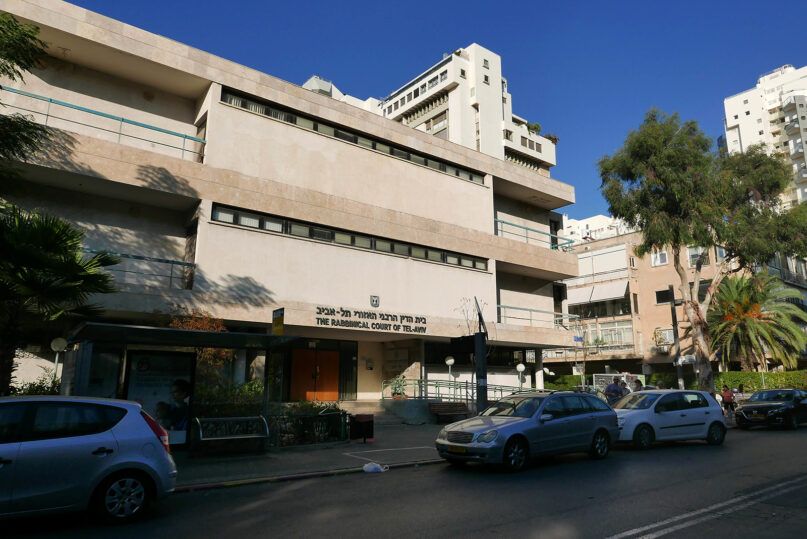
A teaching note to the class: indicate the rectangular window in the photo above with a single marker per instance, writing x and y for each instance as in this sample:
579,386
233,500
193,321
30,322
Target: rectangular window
659,258
418,252
400,249
531,144
383,148
462,73
416,92
422,88
400,153
245,219
662,296
395,106
300,230
694,254
403,101
636,304
389,109
720,254
452,259
275,225
632,263
419,159
485,64
305,122
364,142
481,264
409,97
344,135
443,76
362,241
433,82
486,79
466,262
383,245
524,141
341,237
435,256
325,129
225,216
322,234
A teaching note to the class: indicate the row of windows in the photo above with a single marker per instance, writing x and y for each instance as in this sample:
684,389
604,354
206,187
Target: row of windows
349,136
417,92
316,232
527,143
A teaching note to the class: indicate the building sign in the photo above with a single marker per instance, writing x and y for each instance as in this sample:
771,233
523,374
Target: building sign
338,317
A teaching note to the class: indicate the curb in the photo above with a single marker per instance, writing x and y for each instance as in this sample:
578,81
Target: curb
292,477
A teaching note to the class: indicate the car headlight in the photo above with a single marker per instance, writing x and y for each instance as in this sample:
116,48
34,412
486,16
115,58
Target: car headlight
442,434
487,437
777,410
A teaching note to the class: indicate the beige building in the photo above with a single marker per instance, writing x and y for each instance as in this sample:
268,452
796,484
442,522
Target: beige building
623,305
228,190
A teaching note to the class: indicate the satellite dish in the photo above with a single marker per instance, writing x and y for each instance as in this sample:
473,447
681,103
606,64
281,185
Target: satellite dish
58,344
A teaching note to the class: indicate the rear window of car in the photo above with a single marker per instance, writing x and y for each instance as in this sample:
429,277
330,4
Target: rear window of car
596,404
10,421
67,419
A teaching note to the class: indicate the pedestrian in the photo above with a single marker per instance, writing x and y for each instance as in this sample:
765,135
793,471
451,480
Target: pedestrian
728,401
637,385
613,391
625,389
660,385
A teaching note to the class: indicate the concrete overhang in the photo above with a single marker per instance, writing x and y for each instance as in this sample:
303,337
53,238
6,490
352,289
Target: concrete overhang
536,190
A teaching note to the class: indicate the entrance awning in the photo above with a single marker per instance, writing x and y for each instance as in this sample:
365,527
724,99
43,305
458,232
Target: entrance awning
606,291
578,296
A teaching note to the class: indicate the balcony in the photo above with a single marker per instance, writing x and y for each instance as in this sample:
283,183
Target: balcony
144,271
798,151
69,117
521,316
532,236
801,176
591,352
790,103
792,127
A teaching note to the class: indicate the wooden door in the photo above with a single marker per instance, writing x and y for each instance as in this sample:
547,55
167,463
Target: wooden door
303,372
327,370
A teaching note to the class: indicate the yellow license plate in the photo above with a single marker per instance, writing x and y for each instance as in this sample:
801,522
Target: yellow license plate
456,449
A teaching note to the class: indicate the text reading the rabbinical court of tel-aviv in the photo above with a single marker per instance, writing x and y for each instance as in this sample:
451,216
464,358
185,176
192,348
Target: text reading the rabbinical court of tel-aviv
372,320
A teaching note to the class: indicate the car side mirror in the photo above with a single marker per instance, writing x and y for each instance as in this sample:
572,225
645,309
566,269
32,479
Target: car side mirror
545,417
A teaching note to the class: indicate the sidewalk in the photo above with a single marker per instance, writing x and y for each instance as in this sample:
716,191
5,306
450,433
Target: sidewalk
395,445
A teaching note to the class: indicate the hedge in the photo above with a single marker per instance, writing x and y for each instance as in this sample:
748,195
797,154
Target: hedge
752,381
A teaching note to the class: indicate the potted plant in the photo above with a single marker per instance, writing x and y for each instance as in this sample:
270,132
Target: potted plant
398,387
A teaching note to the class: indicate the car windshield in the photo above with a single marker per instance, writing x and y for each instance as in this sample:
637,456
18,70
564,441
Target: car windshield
514,406
771,396
636,401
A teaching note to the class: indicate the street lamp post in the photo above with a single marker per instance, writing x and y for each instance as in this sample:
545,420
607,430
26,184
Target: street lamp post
449,363
520,368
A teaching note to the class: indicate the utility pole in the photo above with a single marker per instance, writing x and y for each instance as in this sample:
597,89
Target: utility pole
481,360
677,343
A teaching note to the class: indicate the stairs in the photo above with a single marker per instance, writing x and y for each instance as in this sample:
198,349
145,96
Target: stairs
381,416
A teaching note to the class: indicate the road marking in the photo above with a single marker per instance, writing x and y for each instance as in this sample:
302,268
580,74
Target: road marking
740,502
356,453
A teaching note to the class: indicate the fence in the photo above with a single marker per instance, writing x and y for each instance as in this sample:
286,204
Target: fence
149,271
440,389
532,236
62,115
523,316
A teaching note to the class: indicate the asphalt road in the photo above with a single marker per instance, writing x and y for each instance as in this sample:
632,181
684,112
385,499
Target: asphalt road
753,486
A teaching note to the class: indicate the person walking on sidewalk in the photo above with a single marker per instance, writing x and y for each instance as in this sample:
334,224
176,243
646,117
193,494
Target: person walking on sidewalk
728,402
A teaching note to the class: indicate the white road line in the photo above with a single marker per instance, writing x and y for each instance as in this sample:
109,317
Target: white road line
775,490
719,514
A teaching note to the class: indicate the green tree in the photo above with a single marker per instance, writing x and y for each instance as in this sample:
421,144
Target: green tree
666,182
752,320
43,273
20,50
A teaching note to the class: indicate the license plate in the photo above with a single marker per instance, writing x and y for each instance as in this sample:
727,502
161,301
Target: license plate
456,449
756,415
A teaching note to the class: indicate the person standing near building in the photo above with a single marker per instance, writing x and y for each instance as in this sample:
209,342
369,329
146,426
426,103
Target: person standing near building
637,385
614,391
728,401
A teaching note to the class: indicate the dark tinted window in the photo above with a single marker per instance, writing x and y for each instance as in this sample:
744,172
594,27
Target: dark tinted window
573,404
67,419
10,421
669,403
695,400
555,407
597,405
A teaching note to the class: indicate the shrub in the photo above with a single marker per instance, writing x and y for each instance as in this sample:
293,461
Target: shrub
752,381
46,384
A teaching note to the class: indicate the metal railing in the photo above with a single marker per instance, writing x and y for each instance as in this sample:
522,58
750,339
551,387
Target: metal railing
149,271
590,350
534,317
526,234
59,114
440,389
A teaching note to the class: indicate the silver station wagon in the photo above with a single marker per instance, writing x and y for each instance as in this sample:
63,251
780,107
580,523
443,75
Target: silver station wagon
530,424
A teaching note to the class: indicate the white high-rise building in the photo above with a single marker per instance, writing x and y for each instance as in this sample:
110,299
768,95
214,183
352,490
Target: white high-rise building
593,228
773,113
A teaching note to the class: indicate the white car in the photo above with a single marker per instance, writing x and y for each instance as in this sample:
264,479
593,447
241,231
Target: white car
73,453
647,416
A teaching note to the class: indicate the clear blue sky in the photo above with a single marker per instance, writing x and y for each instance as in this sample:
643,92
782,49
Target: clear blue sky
586,71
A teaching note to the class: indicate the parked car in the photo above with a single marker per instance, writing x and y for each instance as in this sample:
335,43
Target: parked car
669,414
773,407
591,390
71,453
529,424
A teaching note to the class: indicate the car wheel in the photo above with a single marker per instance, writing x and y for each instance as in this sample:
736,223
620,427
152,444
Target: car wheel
643,437
123,497
515,454
716,434
600,445
792,422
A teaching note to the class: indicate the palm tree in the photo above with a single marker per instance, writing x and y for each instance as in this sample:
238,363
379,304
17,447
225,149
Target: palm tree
752,320
43,272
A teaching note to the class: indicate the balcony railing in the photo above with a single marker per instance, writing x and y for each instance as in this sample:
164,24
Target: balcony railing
531,235
62,115
590,351
798,149
792,126
522,316
148,271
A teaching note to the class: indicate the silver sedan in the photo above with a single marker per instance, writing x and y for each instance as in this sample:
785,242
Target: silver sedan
530,424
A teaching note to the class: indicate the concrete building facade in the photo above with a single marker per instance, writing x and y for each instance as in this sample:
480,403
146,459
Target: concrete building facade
233,192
